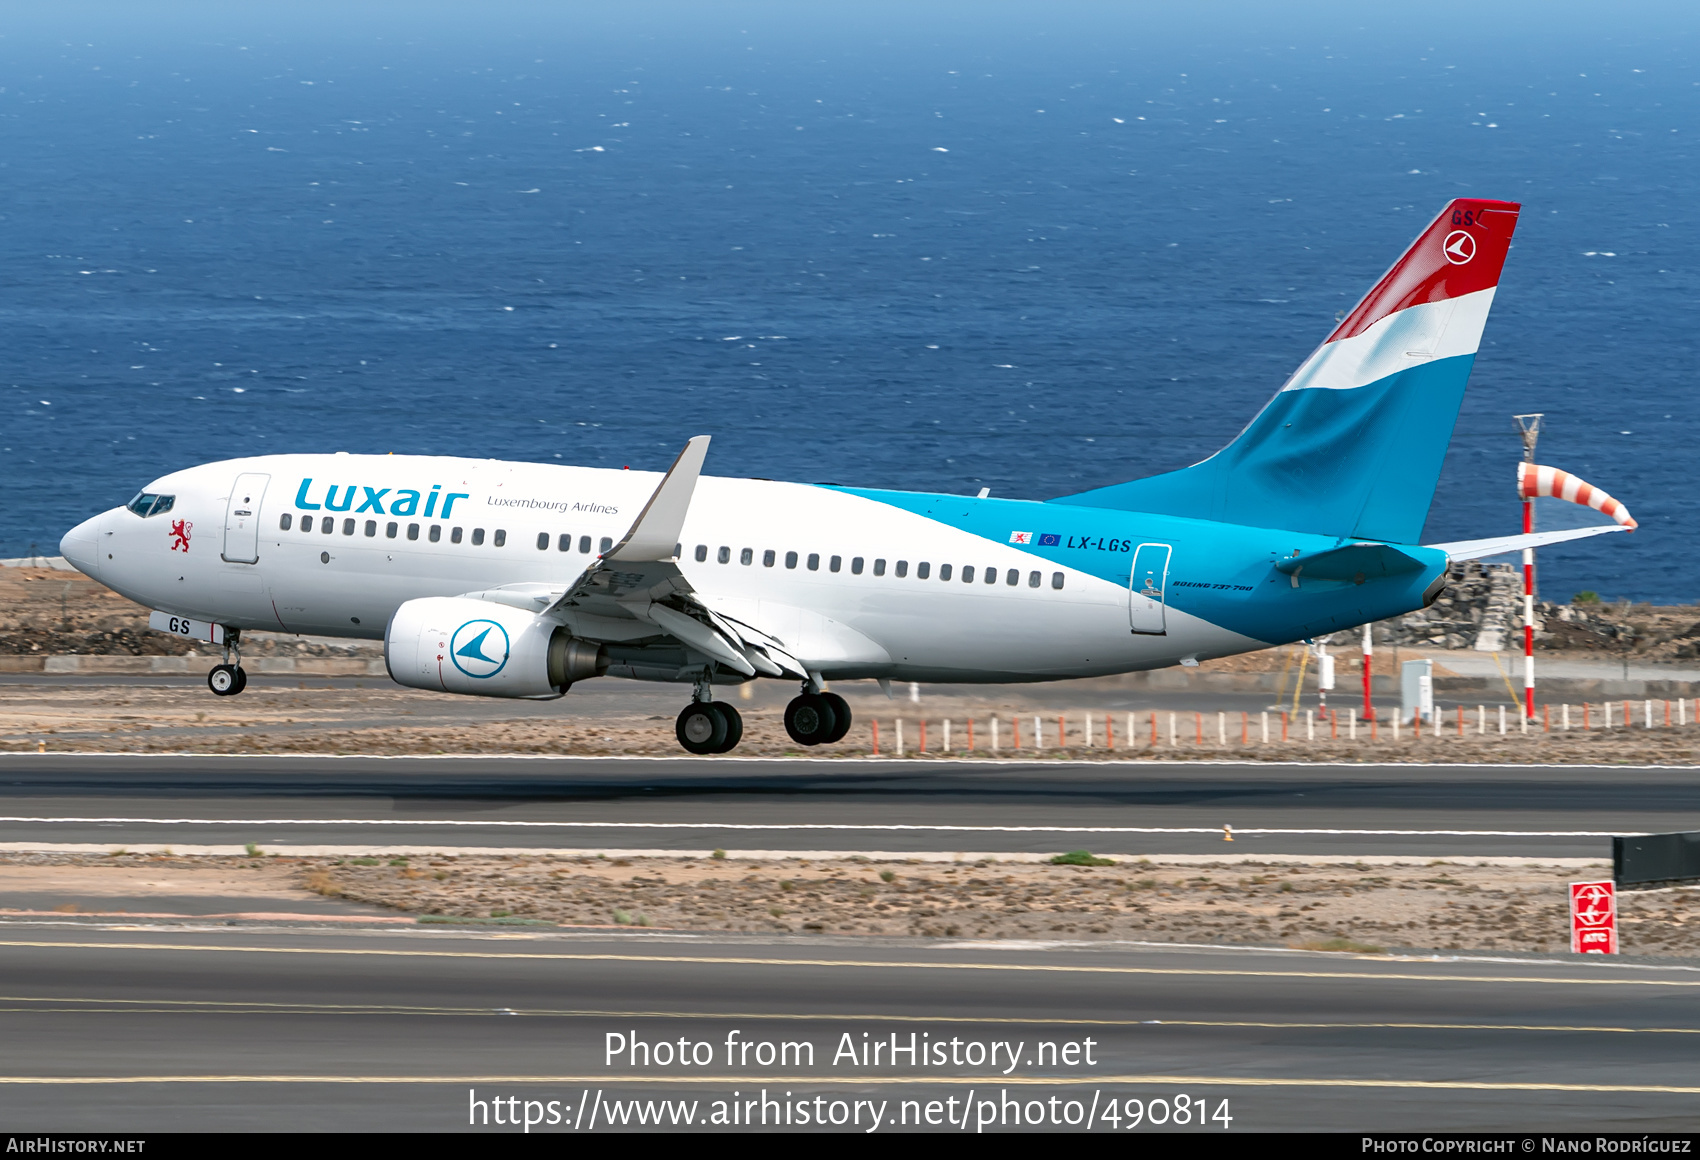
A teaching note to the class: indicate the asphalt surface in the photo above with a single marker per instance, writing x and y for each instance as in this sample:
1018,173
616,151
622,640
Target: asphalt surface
849,805
136,1030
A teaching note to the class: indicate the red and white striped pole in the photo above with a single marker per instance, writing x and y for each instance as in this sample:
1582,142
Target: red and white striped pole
1529,427
1528,614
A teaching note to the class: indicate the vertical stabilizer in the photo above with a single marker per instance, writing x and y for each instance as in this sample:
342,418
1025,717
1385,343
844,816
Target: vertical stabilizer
1352,445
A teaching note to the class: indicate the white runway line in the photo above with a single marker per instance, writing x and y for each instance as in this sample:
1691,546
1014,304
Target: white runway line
894,827
949,857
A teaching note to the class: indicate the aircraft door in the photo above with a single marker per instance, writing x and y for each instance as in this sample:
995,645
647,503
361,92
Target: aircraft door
242,519
1145,589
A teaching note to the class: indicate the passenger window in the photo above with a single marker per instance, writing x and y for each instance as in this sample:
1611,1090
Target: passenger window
477,536
285,521
944,571
454,535
814,562
390,530
348,527
747,556
967,574
607,542
413,531
1013,578
1032,579
306,523
835,563
855,565
767,558
678,551
371,528
924,569
724,555
702,553
542,541
327,524
1056,579
790,559
563,542
902,569
879,567
991,575
501,537
584,544
436,532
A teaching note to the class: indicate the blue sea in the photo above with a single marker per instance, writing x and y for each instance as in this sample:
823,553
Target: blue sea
943,246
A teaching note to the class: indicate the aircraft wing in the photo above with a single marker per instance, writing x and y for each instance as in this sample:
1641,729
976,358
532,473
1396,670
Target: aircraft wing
637,590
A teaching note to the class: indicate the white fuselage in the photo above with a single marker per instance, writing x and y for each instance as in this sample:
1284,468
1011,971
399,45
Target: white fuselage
333,544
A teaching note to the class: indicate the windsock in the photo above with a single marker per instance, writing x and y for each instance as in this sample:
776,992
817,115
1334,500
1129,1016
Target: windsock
1535,481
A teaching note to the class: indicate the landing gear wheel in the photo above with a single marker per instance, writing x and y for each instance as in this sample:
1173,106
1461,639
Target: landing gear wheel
702,727
810,719
734,727
227,680
840,710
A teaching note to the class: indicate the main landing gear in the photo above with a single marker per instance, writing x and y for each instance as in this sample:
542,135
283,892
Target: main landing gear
706,726
230,678
817,718
709,727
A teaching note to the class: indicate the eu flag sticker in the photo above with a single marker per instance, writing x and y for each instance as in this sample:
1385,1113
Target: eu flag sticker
1021,537
1050,539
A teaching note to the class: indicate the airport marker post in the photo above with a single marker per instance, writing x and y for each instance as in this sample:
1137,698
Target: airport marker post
1369,658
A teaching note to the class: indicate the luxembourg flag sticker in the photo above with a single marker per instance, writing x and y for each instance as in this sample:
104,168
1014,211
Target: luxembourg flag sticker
1021,537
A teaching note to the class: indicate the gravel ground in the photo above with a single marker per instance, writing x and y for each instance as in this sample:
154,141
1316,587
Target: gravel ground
1438,904
1416,905
384,719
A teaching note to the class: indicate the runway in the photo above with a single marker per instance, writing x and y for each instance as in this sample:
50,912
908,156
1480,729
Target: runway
1126,808
254,1029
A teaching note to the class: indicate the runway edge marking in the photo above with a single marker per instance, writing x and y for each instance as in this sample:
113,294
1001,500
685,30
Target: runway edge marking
878,964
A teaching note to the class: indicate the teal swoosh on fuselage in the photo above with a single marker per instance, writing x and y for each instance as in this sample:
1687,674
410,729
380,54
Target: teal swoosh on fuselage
1221,573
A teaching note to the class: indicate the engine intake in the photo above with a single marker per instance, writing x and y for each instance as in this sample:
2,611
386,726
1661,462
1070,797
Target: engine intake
455,644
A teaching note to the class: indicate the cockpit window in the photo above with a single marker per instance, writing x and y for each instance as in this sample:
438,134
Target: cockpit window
147,504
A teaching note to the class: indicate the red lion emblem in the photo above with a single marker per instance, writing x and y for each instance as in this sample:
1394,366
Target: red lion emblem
180,535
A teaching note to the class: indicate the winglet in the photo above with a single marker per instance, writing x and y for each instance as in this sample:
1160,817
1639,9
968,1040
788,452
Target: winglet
655,533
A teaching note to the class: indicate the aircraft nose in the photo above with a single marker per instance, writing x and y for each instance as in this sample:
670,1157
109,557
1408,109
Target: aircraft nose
81,546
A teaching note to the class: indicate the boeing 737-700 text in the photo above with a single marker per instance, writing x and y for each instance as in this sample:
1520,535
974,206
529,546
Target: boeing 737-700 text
507,579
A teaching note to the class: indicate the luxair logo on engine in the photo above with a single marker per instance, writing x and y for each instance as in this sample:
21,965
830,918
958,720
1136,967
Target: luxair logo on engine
479,648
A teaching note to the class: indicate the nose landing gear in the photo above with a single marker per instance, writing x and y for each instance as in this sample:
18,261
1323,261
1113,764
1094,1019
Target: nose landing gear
230,678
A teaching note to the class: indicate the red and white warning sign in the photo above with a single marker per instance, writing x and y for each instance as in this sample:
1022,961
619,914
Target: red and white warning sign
1593,918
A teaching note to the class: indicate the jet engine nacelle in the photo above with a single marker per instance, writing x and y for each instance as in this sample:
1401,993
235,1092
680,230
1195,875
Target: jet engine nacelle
455,644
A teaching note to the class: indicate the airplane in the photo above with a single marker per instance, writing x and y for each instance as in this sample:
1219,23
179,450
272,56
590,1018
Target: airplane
507,579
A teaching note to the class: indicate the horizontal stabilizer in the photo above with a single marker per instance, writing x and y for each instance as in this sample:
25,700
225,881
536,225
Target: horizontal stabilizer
1480,549
655,534
1354,562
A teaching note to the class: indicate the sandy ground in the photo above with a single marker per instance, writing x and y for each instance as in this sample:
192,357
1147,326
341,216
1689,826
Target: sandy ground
1447,905
81,715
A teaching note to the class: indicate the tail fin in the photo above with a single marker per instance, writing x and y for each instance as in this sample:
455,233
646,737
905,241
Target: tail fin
1352,445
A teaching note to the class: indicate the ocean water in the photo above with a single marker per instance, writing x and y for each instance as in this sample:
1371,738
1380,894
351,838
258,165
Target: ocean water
1037,248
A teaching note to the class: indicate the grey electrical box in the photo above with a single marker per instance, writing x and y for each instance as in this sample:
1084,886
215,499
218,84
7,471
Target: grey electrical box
1416,690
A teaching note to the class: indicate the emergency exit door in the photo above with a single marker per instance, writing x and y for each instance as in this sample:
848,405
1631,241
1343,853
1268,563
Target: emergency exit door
242,519
1145,589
